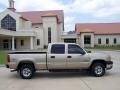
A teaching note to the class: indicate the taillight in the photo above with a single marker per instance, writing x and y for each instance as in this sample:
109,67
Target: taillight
8,58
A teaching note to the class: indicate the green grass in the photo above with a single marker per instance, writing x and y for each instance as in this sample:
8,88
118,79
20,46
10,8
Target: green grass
3,57
105,48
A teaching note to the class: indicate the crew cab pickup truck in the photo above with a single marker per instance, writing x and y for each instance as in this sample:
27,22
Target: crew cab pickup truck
60,56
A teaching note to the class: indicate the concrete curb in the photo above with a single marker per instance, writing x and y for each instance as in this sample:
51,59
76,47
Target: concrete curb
2,65
117,50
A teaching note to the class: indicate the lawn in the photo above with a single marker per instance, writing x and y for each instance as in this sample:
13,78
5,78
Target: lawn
3,57
110,48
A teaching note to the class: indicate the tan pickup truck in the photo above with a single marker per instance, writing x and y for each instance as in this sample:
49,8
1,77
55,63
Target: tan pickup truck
60,56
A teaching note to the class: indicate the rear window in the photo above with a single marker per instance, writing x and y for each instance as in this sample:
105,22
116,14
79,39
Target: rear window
58,49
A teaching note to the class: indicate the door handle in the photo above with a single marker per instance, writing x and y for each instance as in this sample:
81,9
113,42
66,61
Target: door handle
52,56
69,56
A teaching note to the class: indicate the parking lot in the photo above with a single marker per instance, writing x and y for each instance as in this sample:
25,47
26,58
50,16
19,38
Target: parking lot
64,80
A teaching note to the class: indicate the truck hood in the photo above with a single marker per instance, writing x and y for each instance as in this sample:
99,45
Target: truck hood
100,56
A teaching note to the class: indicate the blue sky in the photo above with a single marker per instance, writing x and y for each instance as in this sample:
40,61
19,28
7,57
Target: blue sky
75,11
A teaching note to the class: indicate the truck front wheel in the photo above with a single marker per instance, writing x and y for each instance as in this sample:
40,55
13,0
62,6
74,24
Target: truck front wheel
98,69
26,71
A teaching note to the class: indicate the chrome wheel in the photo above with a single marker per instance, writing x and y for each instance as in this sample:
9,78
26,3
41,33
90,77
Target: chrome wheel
26,72
98,70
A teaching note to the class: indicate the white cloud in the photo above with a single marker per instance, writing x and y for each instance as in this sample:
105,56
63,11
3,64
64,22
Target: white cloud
95,8
69,23
23,5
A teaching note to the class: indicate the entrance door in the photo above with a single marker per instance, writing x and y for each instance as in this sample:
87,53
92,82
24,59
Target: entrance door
87,40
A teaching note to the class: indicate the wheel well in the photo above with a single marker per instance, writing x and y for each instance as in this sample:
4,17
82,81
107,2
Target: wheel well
99,61
25,62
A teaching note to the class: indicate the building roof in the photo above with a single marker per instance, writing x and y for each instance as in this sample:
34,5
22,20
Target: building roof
98,28
36,16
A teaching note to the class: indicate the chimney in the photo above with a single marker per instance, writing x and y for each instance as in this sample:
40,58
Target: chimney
11,5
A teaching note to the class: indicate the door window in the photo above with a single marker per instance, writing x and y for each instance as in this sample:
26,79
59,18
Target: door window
75,49
58,49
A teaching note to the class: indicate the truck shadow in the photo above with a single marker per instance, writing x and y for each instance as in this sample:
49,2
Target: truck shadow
65,74
59,75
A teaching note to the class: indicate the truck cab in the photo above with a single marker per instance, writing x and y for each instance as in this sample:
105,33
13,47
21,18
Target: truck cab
67,56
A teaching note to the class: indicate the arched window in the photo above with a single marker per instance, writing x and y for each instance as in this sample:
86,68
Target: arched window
8,23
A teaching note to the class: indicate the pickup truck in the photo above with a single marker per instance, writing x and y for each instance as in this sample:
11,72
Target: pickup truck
60,56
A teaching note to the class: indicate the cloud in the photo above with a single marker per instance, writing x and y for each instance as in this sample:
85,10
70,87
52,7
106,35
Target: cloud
69,23
97,9
24,5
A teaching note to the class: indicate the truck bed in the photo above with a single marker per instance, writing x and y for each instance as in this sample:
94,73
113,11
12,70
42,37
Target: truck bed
26,52
38,58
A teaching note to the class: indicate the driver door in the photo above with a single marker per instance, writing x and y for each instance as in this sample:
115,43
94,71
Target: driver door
77,57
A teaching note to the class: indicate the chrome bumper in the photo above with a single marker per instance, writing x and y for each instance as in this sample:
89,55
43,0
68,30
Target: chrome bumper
109,65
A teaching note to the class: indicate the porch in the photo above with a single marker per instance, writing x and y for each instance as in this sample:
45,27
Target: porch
16,40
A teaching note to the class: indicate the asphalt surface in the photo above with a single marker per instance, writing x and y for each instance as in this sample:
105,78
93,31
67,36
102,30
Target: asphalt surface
64,81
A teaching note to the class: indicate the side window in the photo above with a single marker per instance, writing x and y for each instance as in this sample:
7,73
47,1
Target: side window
49,34
58,49
75,49
99,41
107,41
115,41
22,42
38,41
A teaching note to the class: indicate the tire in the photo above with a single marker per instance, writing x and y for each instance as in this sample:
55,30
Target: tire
26,71
98,69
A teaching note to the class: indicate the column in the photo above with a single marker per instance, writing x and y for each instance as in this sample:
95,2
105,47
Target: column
31,43
92,40
13,43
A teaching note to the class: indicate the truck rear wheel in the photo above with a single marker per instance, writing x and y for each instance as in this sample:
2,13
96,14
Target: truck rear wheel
26,71
98,69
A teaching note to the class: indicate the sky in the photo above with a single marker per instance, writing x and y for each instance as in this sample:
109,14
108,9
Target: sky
75,11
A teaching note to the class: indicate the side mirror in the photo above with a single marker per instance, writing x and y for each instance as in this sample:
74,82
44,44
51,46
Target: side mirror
88,51
83,53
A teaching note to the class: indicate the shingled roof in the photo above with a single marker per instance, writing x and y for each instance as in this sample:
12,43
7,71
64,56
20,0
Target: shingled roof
36,16
98,28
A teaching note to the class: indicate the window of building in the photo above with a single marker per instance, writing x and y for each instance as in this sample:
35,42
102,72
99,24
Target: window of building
8,23
99,41
75,49
107,41
49,34
115,40
87,39
38,41
70,40
58,49
22,42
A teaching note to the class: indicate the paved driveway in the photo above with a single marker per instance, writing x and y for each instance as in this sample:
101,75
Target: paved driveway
64,81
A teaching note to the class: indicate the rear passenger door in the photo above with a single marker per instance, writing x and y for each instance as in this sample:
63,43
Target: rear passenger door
57,57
